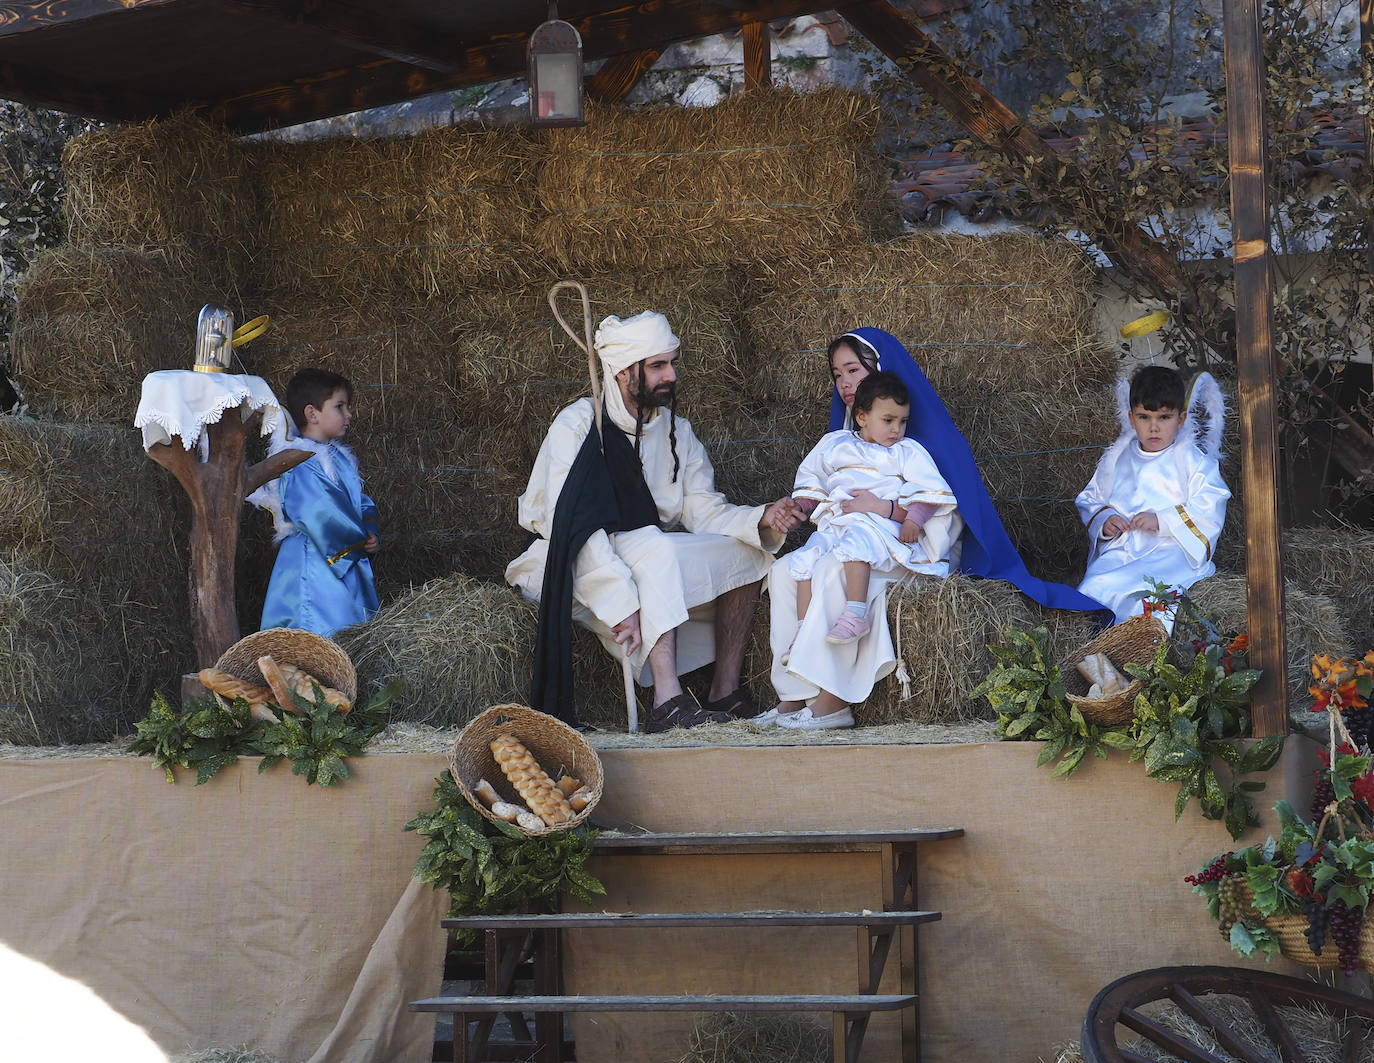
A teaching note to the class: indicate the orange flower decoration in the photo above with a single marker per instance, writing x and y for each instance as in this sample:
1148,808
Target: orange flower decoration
1321,666
1241,644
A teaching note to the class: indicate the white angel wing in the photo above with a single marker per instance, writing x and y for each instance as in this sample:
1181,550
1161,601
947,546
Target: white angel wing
1206,416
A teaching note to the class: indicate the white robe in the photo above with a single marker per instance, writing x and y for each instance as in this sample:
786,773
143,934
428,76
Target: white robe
904,473
838,465
671,578
1184,489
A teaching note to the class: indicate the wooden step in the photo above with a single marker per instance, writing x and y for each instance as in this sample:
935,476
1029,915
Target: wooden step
851,1002
810,841
590,920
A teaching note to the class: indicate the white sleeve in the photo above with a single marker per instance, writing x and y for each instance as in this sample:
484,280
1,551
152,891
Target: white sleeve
1196,522
705,510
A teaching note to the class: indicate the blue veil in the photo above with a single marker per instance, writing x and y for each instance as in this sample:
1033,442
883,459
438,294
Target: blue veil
986,549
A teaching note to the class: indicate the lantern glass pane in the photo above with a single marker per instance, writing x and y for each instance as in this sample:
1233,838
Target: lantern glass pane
558,86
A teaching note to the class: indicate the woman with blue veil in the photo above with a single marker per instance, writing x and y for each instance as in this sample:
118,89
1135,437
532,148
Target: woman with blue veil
820,680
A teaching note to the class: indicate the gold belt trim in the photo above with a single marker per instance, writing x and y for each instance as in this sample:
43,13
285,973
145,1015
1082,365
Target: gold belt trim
1183,513
357,546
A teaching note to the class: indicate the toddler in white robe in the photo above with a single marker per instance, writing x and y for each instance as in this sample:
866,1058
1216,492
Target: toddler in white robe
878,457
1156,503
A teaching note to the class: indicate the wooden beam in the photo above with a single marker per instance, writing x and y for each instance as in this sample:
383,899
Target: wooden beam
758,56
1256,363
627,27
17,16
619,74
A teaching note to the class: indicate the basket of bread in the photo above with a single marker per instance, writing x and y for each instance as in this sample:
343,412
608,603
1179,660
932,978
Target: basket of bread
268,666
519,766
1094,677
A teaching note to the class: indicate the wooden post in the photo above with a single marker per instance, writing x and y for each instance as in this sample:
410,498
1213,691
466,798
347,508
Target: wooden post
758,56
1257,366
217,489
618,74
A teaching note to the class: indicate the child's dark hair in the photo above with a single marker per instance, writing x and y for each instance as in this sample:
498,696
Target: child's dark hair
1157,387
312,387
880,385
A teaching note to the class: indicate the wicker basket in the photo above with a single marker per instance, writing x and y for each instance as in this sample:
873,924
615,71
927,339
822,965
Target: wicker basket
320,657
558,748
1133,641
1290,930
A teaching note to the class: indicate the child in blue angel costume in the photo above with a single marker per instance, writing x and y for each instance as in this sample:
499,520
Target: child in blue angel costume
322,579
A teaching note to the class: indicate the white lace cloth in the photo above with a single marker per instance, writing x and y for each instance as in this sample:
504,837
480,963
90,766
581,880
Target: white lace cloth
180,402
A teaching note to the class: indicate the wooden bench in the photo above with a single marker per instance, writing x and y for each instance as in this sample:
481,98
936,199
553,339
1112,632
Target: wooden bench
509,938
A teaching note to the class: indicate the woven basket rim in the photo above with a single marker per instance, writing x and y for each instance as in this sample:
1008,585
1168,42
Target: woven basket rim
321,657
556,746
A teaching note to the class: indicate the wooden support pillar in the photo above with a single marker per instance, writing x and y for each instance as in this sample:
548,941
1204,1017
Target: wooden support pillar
618,75
758,56
1256,363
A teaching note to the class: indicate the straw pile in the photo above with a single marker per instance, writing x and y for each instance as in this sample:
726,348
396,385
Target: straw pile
760,178
1338,563
91,324
751,1037
180,186
358,221
1314,624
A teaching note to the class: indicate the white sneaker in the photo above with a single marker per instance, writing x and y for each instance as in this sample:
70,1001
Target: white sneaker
803,720
773,718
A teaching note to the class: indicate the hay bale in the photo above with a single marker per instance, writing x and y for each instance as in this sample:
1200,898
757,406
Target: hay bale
180,186
358,220
86,504
761,177
1314,624
1337,563
78,662
751,1037
91,324
998,315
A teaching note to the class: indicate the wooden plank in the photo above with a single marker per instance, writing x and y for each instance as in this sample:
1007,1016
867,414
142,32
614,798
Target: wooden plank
640,920
612,30
820,841
1256,361
852,1002
619,74
758,56
17,16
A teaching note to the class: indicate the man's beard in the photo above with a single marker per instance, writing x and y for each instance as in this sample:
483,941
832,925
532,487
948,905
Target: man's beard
650,398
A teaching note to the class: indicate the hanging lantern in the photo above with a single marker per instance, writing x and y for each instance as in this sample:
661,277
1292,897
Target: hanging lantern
554,57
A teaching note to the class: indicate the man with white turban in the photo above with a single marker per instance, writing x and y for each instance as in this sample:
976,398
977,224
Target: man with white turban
670,600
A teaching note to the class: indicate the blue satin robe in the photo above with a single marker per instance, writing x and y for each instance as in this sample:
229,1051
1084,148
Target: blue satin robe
322,578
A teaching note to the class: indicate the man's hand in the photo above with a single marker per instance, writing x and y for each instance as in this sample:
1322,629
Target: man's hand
1114,526
1146,522
782,516
627,633
373,544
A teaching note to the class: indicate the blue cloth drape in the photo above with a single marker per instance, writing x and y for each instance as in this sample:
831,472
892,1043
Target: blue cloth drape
987,551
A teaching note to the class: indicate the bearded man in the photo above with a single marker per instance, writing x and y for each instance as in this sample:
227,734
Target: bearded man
603,506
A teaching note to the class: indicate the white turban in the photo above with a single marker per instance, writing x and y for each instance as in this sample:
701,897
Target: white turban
620,344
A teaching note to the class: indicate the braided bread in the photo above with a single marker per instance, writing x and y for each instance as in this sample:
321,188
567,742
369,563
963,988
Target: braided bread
531,781
233,687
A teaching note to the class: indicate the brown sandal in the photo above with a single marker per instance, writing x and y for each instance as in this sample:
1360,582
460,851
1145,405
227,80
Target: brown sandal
681,711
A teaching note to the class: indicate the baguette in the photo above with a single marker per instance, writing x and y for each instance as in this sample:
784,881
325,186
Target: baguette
531,782
281,692
220,682
299,680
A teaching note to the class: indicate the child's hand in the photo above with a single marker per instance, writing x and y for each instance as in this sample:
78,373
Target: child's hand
910,533
1146,522
782,516
373,544
1114,526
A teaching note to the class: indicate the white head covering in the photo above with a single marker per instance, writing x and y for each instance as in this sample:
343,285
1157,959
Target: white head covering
619,345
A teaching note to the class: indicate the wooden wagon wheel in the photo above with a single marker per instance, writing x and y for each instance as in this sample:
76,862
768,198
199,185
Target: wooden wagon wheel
1119,1005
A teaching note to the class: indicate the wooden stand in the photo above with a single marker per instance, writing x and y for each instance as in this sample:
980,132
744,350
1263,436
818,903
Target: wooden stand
217,488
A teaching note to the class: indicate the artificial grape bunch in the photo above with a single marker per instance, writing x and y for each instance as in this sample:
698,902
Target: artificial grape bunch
1357,722
1213,872
1345,932
1323,793
1232,902
1315,910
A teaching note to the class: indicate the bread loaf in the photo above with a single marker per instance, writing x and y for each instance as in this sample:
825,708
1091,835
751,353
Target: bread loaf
231,687
486,792
301,681
281,692
531,781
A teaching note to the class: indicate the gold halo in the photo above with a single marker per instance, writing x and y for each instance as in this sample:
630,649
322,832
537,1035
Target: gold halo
251,330
1143,326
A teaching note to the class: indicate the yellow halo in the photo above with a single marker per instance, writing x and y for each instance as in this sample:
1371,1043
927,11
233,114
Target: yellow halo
251,330
1143,326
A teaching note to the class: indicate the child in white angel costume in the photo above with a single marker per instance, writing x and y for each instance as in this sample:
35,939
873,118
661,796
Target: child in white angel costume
877,456
1156,502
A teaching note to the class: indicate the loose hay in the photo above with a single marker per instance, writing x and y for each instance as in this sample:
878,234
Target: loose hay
1314,625
361,220
1002,315
91,324
752,1037
762,177
179,186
